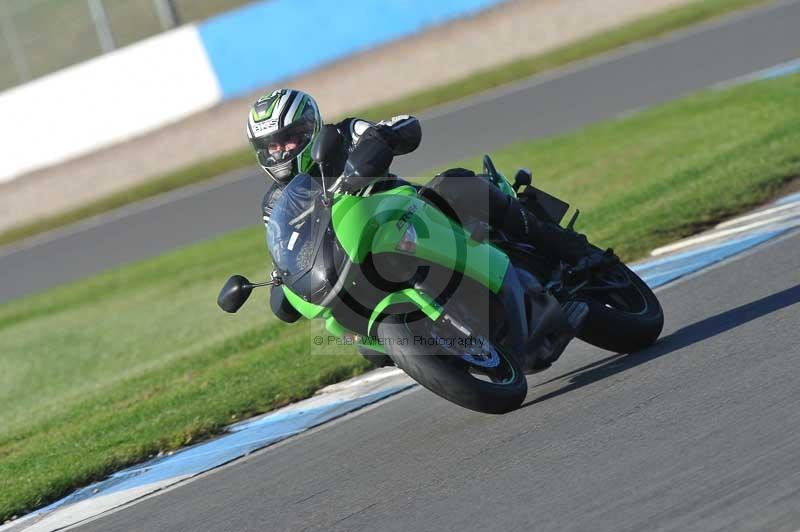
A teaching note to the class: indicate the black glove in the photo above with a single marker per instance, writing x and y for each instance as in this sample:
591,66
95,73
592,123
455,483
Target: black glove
402,133
368,161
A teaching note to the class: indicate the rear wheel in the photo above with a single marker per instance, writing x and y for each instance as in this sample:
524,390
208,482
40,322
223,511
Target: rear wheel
468,370
624,313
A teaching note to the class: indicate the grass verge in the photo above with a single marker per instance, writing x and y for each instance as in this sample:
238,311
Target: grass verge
669,172
645,28
107,371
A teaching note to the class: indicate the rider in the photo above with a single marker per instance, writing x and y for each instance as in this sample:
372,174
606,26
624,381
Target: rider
283,125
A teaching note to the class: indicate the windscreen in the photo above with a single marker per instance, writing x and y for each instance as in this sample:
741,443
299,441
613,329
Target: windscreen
295,226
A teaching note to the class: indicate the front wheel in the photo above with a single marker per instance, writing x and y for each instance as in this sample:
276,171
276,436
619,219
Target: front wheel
376,358
467,370
624,313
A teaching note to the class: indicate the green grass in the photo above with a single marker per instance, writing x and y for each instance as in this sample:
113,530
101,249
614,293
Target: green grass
110,370
659,175
648,27
107,371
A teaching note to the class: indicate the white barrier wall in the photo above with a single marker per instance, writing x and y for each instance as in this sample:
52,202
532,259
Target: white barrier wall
105,100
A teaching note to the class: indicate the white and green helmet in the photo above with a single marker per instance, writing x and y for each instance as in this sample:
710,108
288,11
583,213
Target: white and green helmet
281,128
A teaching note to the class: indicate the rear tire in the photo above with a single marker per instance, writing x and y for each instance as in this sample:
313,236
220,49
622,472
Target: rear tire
441,370
623,330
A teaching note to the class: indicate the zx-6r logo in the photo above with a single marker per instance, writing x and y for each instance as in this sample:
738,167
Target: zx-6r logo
406,217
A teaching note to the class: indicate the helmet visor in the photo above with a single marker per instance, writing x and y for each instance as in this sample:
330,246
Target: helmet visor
283,145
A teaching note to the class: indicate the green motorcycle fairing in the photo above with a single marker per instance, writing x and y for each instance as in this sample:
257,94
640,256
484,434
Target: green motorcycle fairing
379,223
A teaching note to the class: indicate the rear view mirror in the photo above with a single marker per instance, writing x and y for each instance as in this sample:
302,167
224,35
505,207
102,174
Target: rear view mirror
234,293
328,144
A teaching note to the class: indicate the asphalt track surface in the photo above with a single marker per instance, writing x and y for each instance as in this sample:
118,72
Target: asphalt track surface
639,76
700,432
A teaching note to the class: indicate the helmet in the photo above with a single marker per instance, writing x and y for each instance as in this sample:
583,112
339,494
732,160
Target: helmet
281,128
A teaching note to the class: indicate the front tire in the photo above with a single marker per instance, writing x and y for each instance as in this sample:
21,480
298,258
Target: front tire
376,358
445,370
624,320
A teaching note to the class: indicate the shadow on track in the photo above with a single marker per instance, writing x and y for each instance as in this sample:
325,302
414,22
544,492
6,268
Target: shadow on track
689,335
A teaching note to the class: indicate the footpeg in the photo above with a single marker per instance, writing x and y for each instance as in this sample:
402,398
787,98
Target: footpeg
576,312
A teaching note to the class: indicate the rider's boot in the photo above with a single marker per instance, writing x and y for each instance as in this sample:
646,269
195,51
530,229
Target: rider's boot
566,245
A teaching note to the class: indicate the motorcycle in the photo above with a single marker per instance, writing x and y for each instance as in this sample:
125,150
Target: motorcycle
463,309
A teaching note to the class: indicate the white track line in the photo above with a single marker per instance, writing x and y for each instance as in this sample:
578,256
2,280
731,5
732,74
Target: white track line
782,69
715,235
758,214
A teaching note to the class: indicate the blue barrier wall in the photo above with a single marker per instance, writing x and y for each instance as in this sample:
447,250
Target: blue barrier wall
268,41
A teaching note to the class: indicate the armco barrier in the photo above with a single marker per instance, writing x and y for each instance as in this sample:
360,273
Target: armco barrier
163,79
269,41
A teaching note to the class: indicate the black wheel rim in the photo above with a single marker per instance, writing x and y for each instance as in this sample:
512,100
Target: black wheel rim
476,356
628,299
